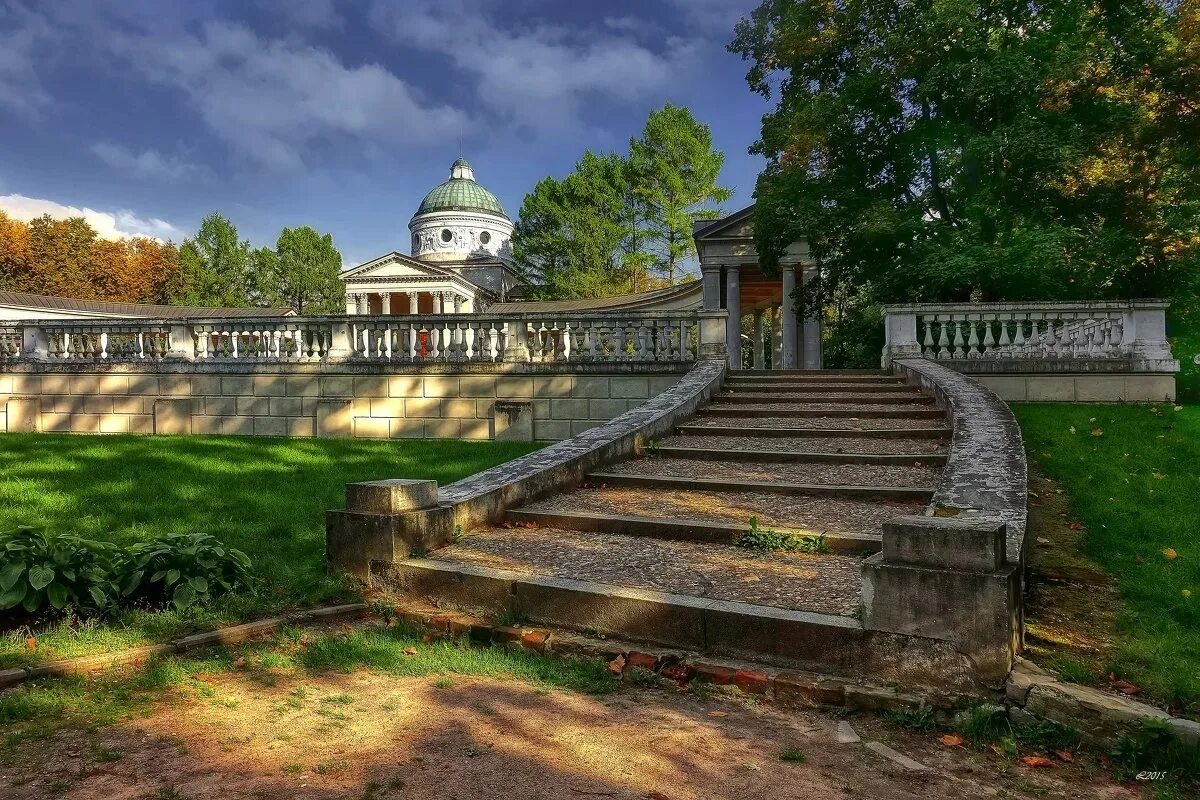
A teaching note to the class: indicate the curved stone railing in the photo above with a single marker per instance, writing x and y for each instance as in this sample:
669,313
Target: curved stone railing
386,520
955,573
986,472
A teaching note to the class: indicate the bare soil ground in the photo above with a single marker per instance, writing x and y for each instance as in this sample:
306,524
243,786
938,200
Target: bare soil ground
367,735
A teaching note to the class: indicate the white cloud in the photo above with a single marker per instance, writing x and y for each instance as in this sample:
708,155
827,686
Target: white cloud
148,164
122,224
274,99
539,74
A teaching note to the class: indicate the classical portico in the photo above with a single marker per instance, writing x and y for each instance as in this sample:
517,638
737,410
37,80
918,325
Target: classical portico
399,284
732,280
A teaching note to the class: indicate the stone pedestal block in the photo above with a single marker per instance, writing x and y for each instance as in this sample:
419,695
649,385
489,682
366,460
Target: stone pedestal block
173,416
391,496
512,421
24,414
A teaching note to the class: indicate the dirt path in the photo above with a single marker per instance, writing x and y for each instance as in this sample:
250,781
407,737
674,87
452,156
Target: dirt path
368,735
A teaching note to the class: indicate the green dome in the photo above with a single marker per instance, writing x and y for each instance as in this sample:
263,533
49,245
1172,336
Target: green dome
461,193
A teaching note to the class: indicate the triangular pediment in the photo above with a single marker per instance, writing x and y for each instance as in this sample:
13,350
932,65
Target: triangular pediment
395,265
739,224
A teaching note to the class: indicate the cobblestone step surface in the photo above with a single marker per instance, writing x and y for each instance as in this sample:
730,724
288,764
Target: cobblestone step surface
833,444
820,410
901,398
824,583
856,423
912,474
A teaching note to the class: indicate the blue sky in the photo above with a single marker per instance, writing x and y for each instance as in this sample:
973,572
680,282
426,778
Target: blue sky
149,114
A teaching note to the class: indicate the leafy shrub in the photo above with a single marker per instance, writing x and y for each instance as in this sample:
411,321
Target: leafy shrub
766,539
55,569
187,568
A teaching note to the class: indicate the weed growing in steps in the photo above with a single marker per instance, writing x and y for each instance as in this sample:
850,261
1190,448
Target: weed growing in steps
767,540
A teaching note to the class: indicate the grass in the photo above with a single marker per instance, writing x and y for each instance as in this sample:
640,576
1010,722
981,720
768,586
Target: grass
37,709
265,496
1133,477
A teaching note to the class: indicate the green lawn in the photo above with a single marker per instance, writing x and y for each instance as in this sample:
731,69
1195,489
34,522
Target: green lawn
1136,489
267,497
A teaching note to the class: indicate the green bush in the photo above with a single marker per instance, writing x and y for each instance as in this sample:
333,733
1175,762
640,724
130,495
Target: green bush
54,569
186,568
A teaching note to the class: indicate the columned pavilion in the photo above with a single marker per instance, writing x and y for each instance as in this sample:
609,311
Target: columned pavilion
733,281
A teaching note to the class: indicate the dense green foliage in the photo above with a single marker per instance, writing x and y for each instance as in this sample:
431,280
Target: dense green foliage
186,568
301,273
219,269
622,223
1135,487
265,497
55,570
937,150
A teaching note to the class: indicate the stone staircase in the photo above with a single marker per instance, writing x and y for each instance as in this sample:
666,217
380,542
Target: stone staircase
654,548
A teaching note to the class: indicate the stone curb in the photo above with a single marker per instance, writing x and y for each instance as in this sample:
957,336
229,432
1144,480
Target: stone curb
136,656
786,688
1100,717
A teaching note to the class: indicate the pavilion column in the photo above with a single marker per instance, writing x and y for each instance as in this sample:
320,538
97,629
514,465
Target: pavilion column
413,302
437,302
776,337
733,325
810,338
385,302
760,340
790,328
711,278
364,304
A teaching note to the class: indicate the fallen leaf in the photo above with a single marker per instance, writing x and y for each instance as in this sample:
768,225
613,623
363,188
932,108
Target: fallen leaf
997,749
1064,755
203,677
617,665
240,662
1037,761
1072,429
1124,687
30,643
1097,432
1186,593
1179,408
1139,560
1158,475
1076,526
1169,553
951,740
410,651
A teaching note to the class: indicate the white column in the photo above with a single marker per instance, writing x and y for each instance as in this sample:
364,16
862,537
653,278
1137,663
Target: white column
789,331
776,337
413,298
760,341
733,304
364,304
437,302
711,296
810,337
385,303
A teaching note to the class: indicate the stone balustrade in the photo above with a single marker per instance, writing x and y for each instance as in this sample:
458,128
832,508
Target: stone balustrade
665,336
1046,351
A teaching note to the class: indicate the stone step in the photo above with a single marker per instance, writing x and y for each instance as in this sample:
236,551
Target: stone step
802,514
757,631
847,396
680,529
814,444
733,379
874,373
794,457
849,433
688,483
830,410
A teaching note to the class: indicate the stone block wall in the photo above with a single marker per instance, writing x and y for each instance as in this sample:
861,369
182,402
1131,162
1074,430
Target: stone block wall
304,402
1093,387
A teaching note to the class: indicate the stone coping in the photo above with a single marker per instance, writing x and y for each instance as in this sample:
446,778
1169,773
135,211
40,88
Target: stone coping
986,473
1061,367
1019,306
486,495
351,366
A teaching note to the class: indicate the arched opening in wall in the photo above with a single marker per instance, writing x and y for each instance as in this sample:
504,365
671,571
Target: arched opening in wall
485,238
447,235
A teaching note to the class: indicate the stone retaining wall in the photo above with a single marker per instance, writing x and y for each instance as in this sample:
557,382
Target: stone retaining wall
470,402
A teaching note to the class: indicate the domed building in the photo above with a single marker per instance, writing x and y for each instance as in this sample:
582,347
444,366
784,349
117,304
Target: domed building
460,257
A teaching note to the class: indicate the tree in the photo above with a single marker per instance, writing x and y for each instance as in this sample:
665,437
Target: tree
302,273
215,266
675,180
980,149
616,220
15,259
